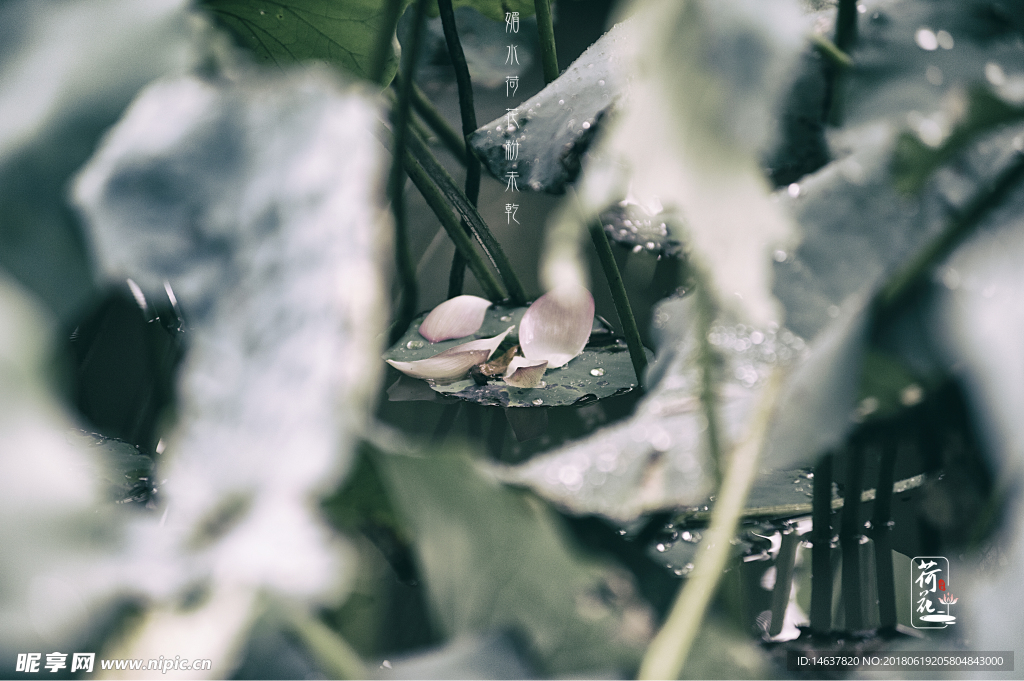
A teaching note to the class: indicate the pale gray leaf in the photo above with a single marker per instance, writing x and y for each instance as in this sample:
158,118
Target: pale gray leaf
254,198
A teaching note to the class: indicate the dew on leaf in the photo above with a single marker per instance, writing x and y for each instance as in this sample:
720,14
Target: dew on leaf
926,39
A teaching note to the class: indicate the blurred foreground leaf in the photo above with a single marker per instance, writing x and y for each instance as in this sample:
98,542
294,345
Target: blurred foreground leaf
497,559
67,70
255,201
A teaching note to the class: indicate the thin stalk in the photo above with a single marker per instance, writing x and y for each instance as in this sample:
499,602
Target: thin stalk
849,538
463,244
448,219
668,651
385,36
471,216
468,113
828,49
709,361
334,655
821,553
881,533
911,278
780,511
449,138
546,30
396,180
620,299
783,580
846,36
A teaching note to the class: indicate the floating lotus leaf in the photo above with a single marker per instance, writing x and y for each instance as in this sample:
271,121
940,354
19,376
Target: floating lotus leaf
602,370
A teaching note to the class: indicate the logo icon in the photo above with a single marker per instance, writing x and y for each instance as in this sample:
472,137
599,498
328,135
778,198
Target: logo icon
930,596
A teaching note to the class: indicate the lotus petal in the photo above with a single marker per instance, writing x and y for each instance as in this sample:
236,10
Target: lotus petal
557,326
455,318
525,373
454,363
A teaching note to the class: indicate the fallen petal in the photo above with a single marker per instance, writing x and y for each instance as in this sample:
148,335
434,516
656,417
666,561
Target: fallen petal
557,326
453,363
525,373
455,318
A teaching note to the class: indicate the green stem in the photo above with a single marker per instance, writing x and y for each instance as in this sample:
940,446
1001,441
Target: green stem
385,37
668,651
451,224
396,180
449,138
909,280
621,300
468,112
881,532
821,551
849,538
546,29
829,50
334,655
708,360
846,36
469,214
783,580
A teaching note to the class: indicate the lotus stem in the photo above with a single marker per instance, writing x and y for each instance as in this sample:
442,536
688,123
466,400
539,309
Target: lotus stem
436,122
620,299
469,214
385,36
667,654
546,30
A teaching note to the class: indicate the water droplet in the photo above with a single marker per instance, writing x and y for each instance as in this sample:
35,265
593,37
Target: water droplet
597,372
637,248
862,539
926,39
868,525
779,256
994,74
537,402
414,344
622,533
692,537
911,395
601,82
861,8
793,190
561,102
945,40
506,318
586,125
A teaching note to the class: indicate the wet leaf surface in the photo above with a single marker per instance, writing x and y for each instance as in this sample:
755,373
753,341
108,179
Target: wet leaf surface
602,370
657,458
636,228
552,130
576,613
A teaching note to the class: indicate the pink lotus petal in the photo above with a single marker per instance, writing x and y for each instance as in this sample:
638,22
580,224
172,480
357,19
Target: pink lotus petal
455,318
557,326
525,373
454,363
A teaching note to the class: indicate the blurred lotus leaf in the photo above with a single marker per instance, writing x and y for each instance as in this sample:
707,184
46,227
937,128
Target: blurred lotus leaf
253,200
657,459
67,71
494,558
702,89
